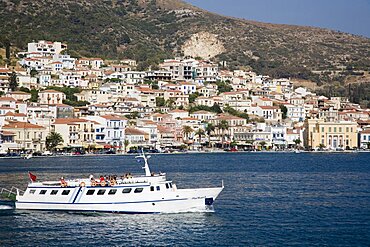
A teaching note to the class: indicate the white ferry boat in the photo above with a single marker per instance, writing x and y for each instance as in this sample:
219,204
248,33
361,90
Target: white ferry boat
151,193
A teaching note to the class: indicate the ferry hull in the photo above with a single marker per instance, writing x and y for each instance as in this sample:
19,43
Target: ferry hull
184,200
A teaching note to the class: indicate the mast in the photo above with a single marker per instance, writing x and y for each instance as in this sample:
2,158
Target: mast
146,165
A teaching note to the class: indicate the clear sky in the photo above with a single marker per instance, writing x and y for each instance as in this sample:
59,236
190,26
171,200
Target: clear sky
351,16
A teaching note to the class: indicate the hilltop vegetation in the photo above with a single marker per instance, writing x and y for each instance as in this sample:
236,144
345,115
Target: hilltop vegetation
150,30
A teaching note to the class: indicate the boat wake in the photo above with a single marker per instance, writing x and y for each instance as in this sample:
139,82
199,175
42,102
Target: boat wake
5,207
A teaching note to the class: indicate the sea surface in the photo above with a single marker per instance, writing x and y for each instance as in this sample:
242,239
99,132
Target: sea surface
270,199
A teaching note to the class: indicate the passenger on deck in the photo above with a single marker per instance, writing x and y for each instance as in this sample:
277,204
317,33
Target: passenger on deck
63,182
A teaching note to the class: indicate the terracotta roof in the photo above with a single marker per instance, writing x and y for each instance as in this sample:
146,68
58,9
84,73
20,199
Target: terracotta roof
163,129
15,114
228,117
133,131
265,99
22,125
202,112
8,133
70,121
269,107
51,91
113,117
189,118
20,92
178,111
7,99
147,121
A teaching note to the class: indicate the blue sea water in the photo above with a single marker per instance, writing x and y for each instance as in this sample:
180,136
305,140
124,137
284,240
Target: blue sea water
270,199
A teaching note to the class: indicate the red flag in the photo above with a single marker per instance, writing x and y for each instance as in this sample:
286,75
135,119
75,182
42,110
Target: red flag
32,177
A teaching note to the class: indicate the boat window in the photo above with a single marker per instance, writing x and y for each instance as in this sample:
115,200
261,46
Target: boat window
42,192
32,191
126,190
65,192
101,192
151,188
54,192
170,185
158,188
90,192
112,192
167,186
138,190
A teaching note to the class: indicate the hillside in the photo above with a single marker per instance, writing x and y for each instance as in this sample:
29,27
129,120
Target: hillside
149,30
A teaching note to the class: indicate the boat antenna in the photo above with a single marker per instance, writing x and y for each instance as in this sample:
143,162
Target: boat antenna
146,165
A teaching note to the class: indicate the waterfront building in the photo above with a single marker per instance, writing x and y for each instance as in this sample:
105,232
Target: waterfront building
364,138
75,132
30,137
110,129
331,135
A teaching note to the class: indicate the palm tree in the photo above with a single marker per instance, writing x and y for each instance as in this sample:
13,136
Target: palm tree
187,130
223,125
263,144
126,143
321,146
200,132
209,129
53,140
297,142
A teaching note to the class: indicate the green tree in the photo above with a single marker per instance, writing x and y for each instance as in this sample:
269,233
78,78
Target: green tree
187,130
200,133
297,142
126,143
159,101
53,140
13,84
34,95
224,86
223,125
75,103
284,111
133,115
193,96
263,144
170,103
209,129
236,113
33,73
321,146
216,108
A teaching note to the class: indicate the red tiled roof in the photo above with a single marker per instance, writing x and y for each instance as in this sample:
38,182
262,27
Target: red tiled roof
133,131
22,125
7,99
113,117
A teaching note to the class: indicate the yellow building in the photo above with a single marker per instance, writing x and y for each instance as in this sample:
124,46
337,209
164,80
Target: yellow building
330,135
75,132
28,136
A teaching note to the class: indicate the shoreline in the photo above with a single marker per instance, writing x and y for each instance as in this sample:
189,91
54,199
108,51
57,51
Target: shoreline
197,152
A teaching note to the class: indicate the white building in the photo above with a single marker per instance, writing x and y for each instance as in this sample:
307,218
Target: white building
110,130
46,48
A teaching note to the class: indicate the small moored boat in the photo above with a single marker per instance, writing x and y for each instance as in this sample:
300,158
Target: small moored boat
151,193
